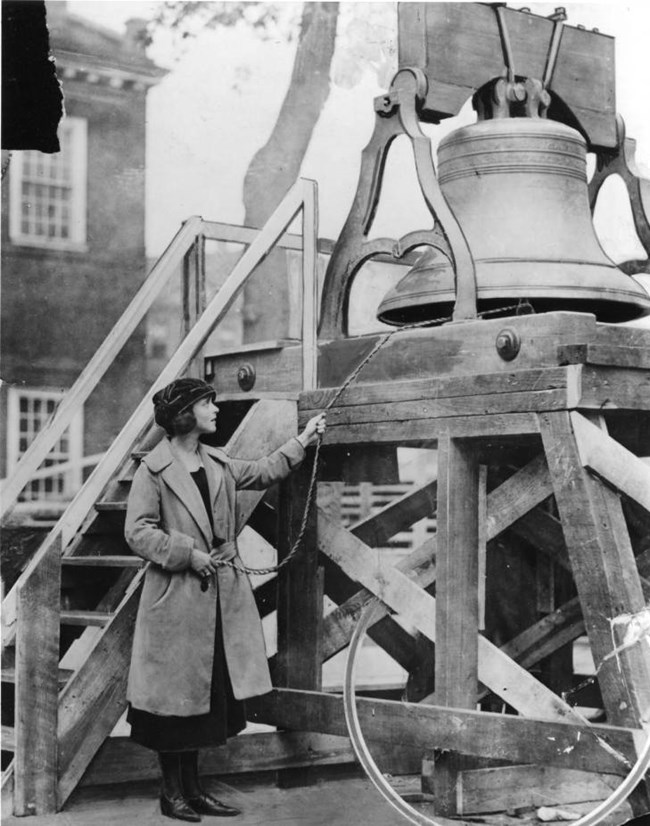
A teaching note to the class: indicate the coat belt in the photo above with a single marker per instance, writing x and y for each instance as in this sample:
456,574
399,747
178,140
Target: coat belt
225,550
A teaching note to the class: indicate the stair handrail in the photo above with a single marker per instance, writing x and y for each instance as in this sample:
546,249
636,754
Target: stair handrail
93,372
301,194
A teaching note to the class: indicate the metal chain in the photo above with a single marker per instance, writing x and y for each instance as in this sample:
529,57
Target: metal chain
520,307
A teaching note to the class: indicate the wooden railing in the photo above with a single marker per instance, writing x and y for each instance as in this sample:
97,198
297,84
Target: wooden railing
94,371
301,198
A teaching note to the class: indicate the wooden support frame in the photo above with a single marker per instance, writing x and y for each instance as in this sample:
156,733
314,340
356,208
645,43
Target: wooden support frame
37,688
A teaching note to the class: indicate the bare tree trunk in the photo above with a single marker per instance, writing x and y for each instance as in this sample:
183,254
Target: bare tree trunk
275,167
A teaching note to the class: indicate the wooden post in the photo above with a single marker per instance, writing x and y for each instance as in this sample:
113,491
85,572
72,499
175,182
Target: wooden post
193,295
604,570
457,605
37,665
309,284
300,600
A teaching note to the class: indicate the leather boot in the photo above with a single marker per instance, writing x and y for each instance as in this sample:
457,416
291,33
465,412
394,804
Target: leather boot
200,800
173,802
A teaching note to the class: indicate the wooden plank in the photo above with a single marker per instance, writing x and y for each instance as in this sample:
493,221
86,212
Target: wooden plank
614,388
37,688
592,748
445,387
92,618
606,355
496,670
611,461
442,407
8,734
93,701
398,515
454,350
120,760
102,562
426,431
482,544
456,604
511,787
604,571
310,293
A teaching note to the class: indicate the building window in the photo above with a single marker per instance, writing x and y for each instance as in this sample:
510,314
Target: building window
48,192
27,413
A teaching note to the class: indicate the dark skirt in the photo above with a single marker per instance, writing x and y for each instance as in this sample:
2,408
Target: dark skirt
227,716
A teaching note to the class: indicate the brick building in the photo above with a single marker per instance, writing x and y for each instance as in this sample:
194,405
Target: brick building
73,251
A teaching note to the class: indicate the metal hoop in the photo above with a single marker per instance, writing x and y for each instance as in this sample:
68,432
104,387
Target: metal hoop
370,614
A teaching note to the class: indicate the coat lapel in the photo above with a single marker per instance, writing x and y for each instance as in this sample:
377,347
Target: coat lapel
178,480
215,473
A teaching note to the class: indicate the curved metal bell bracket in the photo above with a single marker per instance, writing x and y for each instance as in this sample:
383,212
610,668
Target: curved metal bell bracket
396,114
622,162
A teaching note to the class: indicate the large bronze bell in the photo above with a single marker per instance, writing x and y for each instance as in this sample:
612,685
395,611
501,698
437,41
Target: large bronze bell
518,188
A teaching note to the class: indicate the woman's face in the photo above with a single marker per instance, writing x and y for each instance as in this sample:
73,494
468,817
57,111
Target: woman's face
205,412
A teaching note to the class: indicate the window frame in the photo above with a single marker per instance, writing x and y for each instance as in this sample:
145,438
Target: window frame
73,478
77,240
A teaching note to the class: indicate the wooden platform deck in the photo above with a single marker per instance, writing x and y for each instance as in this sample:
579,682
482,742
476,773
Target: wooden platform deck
332,801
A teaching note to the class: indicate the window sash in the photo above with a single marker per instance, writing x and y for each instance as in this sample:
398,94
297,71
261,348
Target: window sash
28,410
48,192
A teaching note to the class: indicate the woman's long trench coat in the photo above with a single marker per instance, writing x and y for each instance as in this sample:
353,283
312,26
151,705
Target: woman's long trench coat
173,645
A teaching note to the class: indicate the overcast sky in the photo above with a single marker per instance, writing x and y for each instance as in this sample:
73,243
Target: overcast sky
219,102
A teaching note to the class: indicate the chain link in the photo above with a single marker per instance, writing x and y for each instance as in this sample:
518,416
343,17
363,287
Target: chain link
520,308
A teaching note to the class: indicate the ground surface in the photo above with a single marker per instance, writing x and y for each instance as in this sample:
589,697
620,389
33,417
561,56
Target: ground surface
331,802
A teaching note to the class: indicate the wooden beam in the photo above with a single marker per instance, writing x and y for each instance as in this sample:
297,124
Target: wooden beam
482,791
469,387
309,285
436,407
398,515
614,388
497,671
37,688
425,431
593,748
300,590
604,571
92,702
120,760
611,461
456,604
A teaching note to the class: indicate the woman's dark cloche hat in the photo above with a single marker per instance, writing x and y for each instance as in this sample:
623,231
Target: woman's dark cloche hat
177,397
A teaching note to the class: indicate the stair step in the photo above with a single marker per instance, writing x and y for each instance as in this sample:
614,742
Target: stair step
138,454
96,618
9,675
8,738
103,561
110,507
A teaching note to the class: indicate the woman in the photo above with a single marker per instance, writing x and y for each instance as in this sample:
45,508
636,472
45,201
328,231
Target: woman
198,648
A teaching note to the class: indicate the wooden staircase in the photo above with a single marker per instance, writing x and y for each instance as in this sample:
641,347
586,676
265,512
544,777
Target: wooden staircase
69,618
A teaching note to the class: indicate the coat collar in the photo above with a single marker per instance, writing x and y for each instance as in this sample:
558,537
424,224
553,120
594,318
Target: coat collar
161,455
176,476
